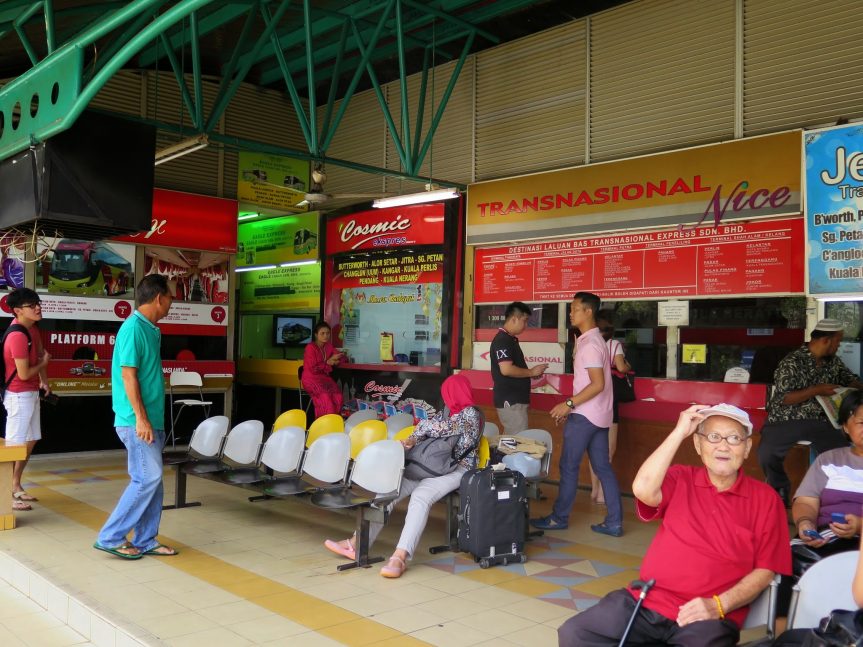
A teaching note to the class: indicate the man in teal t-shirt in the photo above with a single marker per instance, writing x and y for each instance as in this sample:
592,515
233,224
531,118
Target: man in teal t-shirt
138,396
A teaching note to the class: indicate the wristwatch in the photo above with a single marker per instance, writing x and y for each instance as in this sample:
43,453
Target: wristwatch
569,403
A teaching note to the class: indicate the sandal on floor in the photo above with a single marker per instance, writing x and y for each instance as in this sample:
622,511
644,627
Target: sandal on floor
342,548
21,505
394,567
121,551
160,550
22,495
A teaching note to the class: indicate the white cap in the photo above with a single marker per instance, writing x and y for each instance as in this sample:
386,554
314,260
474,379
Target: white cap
829,325
729,411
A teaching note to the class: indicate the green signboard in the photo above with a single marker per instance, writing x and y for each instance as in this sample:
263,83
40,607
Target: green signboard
278,240
272,180
296,287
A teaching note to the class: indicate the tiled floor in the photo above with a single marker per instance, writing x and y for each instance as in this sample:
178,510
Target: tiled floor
257,573
24,623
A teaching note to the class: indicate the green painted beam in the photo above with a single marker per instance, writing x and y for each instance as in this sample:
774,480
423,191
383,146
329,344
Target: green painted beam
119,41
206,24
180,77
196,70
50,33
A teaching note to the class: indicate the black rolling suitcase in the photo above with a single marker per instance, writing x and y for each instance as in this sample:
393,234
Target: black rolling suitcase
491,523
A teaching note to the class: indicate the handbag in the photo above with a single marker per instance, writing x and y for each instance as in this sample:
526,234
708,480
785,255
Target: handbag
839,629
622,384
432,457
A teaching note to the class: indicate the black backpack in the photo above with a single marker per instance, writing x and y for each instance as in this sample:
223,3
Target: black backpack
15,327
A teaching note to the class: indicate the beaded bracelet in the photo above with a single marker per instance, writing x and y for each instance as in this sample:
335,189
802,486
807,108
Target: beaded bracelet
719,606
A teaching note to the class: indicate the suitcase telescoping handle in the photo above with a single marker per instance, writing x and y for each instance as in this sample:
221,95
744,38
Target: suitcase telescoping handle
645,589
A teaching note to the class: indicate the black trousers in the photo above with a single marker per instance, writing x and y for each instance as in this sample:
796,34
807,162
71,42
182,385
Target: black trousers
778,437
603,626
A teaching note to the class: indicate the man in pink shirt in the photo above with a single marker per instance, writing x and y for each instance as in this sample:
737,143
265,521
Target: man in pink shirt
587,415
26,361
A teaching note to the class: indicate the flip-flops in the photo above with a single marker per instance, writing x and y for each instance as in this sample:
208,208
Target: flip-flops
118,551
394,567
19,505
160,550
21,495
342,548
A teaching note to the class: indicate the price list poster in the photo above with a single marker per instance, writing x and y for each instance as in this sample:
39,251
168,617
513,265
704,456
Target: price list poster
743,258
834,211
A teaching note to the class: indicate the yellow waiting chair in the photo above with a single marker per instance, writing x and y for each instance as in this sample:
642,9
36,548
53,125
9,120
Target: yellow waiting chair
483,453
290,418
403,433
332,423
365,433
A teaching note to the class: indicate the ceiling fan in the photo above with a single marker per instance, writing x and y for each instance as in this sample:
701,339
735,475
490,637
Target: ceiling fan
317,196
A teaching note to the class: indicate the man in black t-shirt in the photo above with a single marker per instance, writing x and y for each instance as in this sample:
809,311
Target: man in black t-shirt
509,371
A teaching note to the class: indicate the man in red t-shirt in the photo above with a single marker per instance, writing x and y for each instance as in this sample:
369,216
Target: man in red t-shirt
26,361
722,538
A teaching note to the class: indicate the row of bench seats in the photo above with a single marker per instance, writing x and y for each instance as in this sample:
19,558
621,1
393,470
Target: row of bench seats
355,470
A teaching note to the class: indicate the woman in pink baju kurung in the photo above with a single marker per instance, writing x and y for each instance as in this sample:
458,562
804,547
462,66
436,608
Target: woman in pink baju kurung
318,361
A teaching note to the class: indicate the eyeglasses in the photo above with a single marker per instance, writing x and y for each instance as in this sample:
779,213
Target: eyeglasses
715,438
32,305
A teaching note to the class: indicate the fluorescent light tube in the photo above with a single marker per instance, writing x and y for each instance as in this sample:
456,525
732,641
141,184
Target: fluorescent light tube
415,198
251,268
295,263
181,148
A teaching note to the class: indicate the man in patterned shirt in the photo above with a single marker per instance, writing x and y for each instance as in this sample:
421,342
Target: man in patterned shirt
793,413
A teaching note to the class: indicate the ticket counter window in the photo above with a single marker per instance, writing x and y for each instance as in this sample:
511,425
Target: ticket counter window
850,313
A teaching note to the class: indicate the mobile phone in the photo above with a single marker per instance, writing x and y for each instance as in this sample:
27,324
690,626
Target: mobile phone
837,517
813,534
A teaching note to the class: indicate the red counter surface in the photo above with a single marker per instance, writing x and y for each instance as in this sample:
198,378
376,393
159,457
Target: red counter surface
645,423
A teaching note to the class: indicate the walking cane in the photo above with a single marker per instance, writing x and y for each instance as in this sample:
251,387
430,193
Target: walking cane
645,588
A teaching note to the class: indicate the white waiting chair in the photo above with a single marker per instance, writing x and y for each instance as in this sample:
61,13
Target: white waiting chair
206,442
825,586
282,453
490,430
326,461
186,380
398,422
532,484
762,610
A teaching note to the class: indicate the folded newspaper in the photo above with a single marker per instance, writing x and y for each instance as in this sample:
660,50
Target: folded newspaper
830,404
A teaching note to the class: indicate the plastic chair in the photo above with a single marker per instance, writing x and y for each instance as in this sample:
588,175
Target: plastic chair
398,422
364,434
282,453
301,391
544,437
401,434
359,416
490,430
375,482
762,610
186,379
328,458
332,423
822,588
290,418
206,442
483,453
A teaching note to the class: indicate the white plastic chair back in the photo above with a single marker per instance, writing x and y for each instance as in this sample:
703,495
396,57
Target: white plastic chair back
398,422
185,378
244,441
327,459
762,611
207,437
822,588
379,466
359,416
543,436
529,466
490,430
284,450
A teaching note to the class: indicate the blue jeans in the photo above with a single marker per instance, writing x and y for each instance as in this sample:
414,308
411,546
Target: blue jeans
140,506
580,434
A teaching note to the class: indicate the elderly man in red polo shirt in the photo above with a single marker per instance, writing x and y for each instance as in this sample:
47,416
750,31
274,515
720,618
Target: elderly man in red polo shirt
723,536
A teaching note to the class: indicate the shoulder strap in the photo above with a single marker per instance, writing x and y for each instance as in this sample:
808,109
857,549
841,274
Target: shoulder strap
15,327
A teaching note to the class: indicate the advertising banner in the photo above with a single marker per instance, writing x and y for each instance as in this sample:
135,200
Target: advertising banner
272,180
296,287
196,277
278,240
834,210
392,269
534,353
86,268
186,220
734,259
707,185
387,228
79,308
